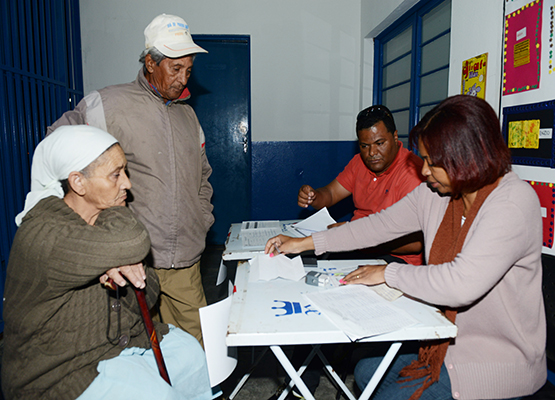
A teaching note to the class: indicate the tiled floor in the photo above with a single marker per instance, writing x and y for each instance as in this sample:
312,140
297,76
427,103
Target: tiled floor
268,375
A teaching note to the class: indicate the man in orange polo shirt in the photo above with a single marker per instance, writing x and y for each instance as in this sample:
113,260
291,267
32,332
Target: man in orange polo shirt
379,176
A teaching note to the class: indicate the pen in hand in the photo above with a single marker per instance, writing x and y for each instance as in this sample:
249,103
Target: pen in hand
276,248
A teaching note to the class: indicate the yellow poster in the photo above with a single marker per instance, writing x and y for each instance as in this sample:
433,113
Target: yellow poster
515,135
524,134
531,131
521,53
474,76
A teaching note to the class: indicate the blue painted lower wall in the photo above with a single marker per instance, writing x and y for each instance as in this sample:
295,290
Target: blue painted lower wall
279,169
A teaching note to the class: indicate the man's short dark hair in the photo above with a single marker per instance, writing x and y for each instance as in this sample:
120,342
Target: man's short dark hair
370,116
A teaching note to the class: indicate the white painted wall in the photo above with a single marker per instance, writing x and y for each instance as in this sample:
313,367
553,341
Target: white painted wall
305,56
476,28
312,60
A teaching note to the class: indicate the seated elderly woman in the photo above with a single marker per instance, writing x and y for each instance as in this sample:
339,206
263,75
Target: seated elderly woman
66,336
483,237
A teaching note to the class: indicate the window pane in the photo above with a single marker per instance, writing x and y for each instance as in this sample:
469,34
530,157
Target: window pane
402,124
436,21
435,54
397,72
424,110
433,88
398,97
399,45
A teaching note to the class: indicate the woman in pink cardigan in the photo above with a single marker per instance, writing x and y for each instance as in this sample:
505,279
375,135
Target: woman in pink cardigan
482,230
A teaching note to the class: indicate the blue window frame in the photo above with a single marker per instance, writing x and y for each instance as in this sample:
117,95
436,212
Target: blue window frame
411,63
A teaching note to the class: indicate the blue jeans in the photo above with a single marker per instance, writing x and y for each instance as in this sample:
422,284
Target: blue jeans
390,389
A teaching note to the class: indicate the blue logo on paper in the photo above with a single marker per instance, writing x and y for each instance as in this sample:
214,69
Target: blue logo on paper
293,307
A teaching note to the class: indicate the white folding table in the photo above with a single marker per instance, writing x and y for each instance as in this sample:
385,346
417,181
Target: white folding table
275,313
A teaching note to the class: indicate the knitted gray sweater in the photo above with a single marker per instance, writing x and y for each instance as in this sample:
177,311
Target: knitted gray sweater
56,311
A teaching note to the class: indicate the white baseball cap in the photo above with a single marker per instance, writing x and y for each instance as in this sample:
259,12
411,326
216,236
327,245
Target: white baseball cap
171,36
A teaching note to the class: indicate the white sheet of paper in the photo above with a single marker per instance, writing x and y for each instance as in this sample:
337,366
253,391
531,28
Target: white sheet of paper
316,222
388,293
265,268
222,273
221,360
359,312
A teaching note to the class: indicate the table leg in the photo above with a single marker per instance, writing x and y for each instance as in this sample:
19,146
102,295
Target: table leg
288,367
300,372
247,375
382,368
334,376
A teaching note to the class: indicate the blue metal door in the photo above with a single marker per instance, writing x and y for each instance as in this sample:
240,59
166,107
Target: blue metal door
220,96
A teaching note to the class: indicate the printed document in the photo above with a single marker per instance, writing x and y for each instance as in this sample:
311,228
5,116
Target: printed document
256,233
359,311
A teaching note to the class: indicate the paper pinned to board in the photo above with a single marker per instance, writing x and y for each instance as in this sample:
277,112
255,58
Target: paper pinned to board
265,268
315,223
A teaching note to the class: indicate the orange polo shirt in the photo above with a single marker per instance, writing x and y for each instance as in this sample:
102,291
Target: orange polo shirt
372,193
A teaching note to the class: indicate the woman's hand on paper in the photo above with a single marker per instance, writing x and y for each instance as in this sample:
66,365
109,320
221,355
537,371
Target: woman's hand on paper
286,244
366,275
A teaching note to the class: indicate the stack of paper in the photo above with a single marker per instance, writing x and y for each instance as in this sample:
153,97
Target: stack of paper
256,233
359,312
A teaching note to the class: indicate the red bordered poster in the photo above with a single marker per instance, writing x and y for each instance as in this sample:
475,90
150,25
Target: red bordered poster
546,194
522,49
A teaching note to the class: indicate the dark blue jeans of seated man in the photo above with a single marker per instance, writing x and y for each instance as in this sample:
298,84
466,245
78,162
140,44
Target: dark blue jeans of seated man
390,389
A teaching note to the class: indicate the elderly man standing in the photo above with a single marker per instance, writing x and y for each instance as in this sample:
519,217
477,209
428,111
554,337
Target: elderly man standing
164,145
379,176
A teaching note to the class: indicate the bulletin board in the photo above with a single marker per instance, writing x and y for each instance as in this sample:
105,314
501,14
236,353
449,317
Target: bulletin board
528,58
546,195
528,131
522,49
528,100
541,180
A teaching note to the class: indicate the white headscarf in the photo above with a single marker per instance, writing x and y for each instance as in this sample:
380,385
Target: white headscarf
67,149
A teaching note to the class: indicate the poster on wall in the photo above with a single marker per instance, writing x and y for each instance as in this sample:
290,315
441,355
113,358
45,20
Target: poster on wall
528,71
522,49
528,132
474,76
546,195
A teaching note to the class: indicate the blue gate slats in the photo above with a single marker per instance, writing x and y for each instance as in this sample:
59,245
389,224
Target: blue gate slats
40,78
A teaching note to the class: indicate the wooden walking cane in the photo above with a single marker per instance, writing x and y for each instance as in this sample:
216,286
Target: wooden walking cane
141,298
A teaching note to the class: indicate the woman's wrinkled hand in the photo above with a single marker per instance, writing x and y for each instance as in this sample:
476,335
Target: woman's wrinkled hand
134,273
